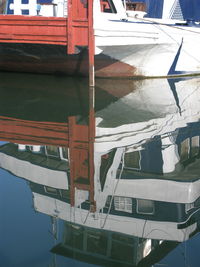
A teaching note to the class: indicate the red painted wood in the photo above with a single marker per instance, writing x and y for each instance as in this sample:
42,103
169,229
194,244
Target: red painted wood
79,139
91,46
33,132
43,133
82,159
28,29
77,29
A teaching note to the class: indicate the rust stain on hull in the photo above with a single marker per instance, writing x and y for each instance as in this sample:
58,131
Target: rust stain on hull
109,67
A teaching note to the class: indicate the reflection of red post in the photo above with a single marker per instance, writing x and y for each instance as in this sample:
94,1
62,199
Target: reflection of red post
81,150
91,157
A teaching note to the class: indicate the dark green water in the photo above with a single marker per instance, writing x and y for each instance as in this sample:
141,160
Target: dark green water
128,197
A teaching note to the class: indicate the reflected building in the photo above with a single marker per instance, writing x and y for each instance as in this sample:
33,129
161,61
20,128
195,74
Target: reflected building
133,187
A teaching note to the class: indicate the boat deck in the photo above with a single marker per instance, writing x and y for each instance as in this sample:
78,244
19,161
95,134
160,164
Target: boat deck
73,30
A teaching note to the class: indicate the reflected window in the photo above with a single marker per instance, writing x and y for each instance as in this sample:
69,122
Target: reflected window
64,153
65,193
147,247
132,160
106,162
197,203
189,149
194,146
123,204
96,242
35,149
122,248
53,151
184,150
50,190
145,206
107,6
189,206
74,236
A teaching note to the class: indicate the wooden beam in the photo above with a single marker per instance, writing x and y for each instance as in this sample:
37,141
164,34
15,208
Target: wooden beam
36,29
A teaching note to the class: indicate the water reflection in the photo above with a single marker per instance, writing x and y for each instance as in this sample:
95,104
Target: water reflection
123,178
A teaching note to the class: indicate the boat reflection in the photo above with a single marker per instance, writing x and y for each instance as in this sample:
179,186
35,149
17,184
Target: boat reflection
125,181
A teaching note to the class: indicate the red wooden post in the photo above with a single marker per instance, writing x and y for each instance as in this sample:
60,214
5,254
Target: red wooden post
80,30
70,41
77,25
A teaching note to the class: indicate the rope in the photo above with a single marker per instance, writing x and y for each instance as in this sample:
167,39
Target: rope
168,25
113,194
156,24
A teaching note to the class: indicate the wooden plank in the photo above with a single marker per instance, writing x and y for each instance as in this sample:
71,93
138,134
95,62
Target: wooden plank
77,27
91,46
27,29
33,132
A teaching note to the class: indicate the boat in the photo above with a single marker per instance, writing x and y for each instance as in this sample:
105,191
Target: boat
127,43
126,184
129,203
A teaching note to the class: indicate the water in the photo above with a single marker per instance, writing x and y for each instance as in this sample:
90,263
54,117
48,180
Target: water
116,184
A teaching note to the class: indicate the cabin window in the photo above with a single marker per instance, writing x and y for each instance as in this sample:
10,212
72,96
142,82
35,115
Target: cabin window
53,151
107,6
145,206
132,160
25,12
123,204
135,6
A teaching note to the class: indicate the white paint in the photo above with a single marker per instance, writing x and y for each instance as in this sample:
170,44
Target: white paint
21,147
167,7
135,14
122,224
36,149
144,43
59,7
38,174
80,196
169,154
47,11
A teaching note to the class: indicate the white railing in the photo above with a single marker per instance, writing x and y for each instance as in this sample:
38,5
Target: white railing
18,7
57,8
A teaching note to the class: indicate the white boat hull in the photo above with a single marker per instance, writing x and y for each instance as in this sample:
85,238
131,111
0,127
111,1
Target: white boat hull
150,49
